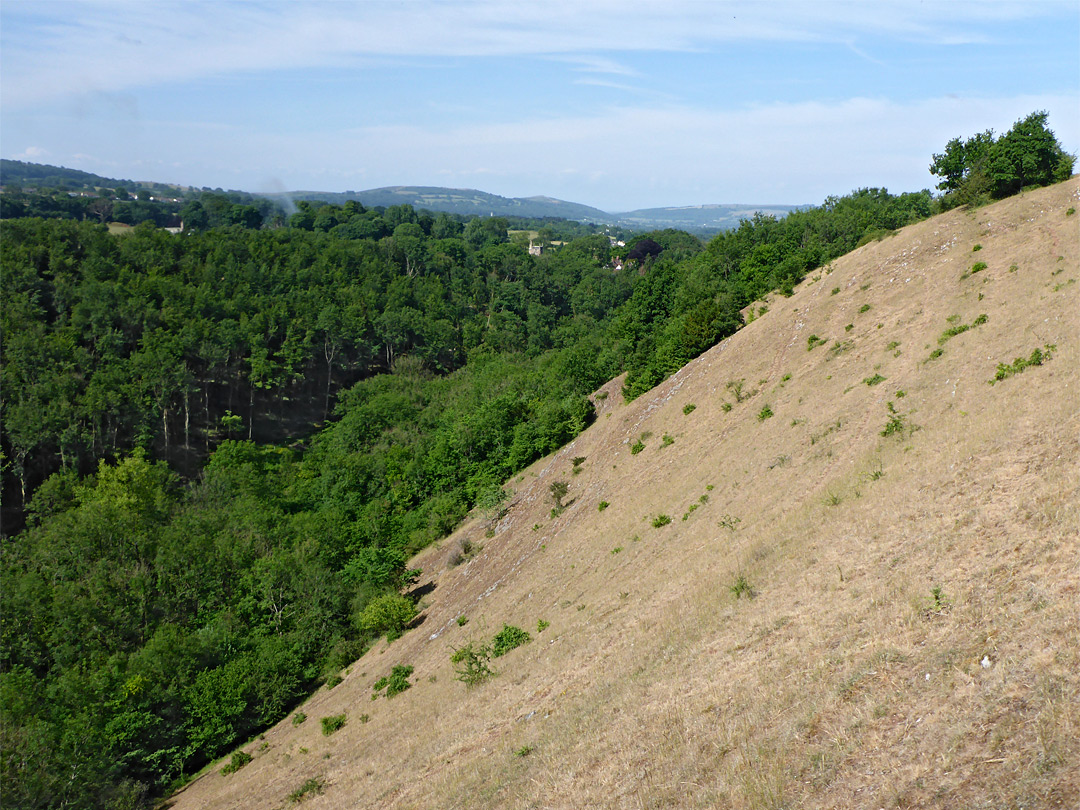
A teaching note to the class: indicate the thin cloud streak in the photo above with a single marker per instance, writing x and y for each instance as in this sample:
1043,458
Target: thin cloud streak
88,46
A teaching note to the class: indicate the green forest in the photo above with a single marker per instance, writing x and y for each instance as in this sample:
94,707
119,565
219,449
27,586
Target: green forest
222,447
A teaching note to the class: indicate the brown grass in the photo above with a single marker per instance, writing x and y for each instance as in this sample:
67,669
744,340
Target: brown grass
845,682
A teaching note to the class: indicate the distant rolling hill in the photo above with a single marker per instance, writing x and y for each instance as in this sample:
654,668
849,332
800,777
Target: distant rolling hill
710,218
699,218
466,201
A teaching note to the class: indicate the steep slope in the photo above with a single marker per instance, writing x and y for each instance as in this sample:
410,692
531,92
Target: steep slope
913,640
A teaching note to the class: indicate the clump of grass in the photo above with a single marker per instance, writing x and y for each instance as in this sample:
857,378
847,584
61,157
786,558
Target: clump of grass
298,718
725,406
835,290
334,722
1036,358
838,348
729,522
738,390
667,441
764,413
239,760
895,425
507,639
814,341
333,681
313,786
462,620
832,499
689,408
939,602
600,507
877,378
541,626
393,684
661,520
864,308
742,587
976,248
637,447
616,550
1070,211
524,751
953,331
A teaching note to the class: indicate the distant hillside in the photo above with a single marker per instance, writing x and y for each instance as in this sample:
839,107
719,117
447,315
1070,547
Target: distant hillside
469,202
708,218
17,172
830,563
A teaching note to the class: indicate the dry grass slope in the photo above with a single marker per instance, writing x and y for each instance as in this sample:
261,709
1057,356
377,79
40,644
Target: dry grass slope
913,641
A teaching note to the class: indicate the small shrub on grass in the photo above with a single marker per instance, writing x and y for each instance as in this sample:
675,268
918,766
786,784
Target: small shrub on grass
387,614
471,663
334,722
668,440
895,425
393,684
849,327
524,751
689,408
832,499
298,718
637,447
864,308
978,267
507,639
541,626
616,550
725,406
1036,358
1070,212
835,290
877,378
600,507
314,786
728,522
661,520
558,490
814,341
938,602
462,621
741,587
764,413
976,248
738,390
333,681
239,760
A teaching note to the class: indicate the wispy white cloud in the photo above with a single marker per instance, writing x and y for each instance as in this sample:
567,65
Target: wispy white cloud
62,47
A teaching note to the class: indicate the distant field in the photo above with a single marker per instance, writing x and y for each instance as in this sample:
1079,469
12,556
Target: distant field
119,228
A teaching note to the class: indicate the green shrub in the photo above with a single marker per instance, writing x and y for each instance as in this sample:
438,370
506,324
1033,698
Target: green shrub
389,613
507,639
462,621
764,413
1036,358
661,520
668,440
239,760
835,290
333,723
895,424
976,248
864,308
333,681
315,786
558,490
637,447
395,683
689,408
877,378
978,267
541,626
471,663
298,718
524,751
725,406
814,341
600,507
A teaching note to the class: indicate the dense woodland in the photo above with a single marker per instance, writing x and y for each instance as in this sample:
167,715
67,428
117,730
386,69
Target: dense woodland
226,444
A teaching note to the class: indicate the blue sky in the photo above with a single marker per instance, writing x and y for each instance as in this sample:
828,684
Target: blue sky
620,105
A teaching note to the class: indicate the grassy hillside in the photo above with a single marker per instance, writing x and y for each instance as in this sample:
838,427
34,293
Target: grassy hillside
865,595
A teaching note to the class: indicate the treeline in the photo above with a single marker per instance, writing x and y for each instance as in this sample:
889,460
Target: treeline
148,624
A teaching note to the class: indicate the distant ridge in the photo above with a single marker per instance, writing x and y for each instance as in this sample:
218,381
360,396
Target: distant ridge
467,201
700,217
